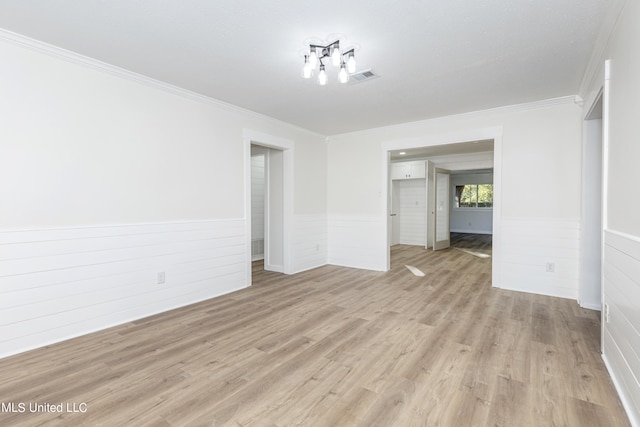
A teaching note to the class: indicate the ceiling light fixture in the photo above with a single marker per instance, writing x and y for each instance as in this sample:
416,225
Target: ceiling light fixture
318,53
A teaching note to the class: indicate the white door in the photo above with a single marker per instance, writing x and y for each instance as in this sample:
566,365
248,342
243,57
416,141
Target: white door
441,179
431,203
412,211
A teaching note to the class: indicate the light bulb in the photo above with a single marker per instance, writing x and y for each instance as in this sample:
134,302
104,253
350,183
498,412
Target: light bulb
343,76
351,63
322,76
313,57
335,55
307,71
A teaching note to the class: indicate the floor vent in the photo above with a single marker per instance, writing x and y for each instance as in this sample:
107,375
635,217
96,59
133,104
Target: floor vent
362,76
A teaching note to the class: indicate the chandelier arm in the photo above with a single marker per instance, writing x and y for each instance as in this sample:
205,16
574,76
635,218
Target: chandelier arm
320,52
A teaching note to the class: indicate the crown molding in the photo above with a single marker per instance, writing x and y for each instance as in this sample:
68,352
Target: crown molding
596,60
514,108
88,62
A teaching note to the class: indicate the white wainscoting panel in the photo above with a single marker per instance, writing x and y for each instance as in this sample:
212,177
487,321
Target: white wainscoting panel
621,334
529,244
310,242
357,242
56,284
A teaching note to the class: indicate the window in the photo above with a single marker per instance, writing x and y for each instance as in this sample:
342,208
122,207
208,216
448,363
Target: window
474,196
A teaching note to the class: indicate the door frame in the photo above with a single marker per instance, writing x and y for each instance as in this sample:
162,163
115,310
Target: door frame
586,259
286,146
604,91
479,134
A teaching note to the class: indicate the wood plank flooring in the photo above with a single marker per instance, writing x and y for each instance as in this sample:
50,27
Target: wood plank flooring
335,346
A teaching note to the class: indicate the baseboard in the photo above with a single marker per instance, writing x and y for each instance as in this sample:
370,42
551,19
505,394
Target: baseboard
595,307
472,231
275,268
626,404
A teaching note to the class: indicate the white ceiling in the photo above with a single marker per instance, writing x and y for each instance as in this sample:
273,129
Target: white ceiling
434,57
442,150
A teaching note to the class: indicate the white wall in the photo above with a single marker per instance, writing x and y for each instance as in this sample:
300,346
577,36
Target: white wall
107,178
544,135
591,221
274,259
621,264
470,220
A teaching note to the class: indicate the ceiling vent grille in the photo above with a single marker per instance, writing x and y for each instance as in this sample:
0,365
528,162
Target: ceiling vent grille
362,76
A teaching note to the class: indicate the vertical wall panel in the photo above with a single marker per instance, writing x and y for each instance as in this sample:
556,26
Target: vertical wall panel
310,242
529,245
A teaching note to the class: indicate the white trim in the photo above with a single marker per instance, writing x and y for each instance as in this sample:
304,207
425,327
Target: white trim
594,307
471,231
619,240
496,240
469,209
126,224
606,96
85,61
286,145
592,72
494,133
594,100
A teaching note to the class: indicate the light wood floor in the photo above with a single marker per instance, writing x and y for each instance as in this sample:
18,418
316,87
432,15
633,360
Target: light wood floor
336,347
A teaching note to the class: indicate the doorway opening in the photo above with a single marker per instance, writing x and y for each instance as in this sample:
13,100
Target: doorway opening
446,159
268,203
590,288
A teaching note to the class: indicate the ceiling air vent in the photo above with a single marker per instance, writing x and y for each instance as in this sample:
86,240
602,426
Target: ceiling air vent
362,76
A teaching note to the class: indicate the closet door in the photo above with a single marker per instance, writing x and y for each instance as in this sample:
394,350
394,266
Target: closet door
412,211
431,203
442,183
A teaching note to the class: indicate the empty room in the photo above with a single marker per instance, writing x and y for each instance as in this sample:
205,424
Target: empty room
244,213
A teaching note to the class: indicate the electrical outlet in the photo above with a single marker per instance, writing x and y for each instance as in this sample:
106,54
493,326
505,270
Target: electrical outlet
551,267
161,277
